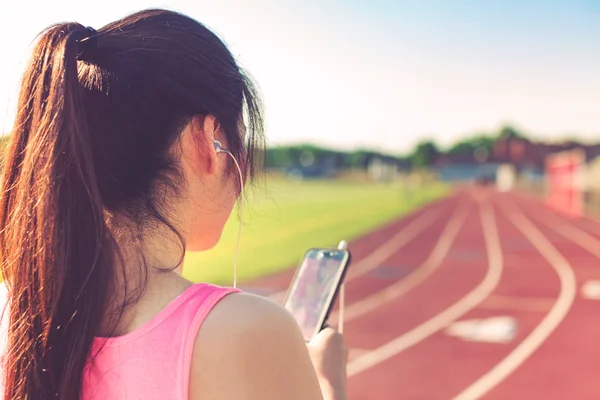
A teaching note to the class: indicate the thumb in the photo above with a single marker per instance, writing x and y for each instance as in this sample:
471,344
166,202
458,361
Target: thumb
323,337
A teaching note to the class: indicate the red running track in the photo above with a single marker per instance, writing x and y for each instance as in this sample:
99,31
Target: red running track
502,265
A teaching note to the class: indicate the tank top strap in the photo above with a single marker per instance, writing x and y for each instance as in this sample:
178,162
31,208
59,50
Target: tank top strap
204,299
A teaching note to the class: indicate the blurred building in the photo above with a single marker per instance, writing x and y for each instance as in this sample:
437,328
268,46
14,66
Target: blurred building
525,156
381,168
465,167
522,152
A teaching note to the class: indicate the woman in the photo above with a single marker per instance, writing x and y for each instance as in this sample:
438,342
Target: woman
111,173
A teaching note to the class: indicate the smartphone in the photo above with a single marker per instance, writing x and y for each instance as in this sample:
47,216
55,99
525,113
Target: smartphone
314,289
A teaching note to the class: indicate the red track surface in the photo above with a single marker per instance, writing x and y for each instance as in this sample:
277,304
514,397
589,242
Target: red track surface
485,254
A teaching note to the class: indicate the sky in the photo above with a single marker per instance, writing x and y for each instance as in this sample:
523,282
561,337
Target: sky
374,73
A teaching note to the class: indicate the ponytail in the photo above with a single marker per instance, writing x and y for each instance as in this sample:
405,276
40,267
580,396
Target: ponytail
54,242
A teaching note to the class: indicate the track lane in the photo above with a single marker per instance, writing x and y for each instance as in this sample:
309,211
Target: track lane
441,366
565,366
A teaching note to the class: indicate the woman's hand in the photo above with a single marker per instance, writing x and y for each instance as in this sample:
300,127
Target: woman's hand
329,355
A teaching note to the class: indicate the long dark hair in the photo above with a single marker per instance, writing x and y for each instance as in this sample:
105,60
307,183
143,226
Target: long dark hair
91,141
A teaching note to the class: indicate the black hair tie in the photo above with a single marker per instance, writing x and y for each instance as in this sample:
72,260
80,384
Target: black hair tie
87,44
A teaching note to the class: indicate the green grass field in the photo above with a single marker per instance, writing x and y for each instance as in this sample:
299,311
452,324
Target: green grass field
285,218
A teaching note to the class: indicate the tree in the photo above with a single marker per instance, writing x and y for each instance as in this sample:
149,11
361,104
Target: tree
357,159
508,132
425,154
278,157
469,145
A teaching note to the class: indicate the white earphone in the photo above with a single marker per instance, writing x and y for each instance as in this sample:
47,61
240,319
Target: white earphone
220,149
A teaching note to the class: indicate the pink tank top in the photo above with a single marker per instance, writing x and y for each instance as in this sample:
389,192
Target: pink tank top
150,363
153,362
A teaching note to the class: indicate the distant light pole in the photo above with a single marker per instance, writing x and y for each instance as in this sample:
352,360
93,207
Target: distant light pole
481,155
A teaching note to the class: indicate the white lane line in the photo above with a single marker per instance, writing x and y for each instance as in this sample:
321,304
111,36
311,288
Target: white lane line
392,246
387,249
416,277
356,352
452,313
565,228
550,322
585,224
589,225
518,303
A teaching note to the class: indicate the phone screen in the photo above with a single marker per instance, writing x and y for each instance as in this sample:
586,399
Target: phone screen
313,289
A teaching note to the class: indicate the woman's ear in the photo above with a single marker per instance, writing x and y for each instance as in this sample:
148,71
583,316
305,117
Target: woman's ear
203,131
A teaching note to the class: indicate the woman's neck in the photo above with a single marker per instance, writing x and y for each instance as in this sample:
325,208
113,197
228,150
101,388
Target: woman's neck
147,278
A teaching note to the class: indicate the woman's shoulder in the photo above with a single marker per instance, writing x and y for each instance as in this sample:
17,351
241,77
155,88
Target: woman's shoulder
250,343
249,317
245,311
